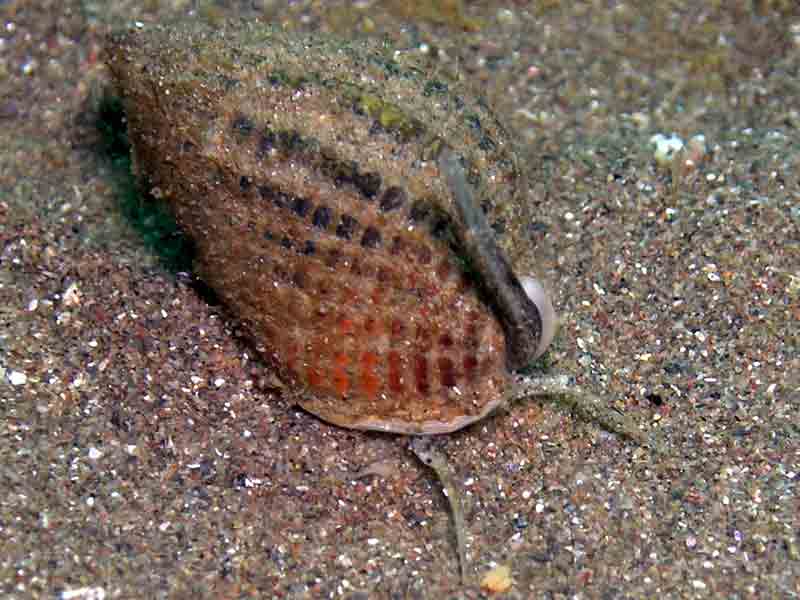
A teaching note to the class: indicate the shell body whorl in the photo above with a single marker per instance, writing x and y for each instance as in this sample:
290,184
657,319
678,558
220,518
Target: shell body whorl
304,169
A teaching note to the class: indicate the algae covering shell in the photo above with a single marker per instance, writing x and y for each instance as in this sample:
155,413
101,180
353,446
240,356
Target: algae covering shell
308,172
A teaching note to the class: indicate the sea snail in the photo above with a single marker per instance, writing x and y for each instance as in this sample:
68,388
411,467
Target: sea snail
331,190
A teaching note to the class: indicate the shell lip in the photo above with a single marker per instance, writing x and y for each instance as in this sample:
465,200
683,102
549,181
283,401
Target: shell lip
405,427
515,309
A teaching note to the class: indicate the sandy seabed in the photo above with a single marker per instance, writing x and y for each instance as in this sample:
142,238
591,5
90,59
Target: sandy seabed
147,453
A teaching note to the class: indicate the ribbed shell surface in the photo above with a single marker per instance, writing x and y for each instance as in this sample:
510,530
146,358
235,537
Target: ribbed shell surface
304,170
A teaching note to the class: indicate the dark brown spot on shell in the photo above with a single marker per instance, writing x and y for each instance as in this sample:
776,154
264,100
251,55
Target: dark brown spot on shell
242,126
333,257
397,246
369,184
275,196
265,144
393,198
420,211
301,206
371,238
347,227
322,217
447,372
421,374
470,367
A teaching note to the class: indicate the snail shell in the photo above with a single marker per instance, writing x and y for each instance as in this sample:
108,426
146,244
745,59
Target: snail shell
330,188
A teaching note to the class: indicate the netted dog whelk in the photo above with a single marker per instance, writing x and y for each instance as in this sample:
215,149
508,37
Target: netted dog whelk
325,185
333,190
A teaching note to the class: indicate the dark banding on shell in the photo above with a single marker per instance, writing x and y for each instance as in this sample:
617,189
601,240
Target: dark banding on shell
305,169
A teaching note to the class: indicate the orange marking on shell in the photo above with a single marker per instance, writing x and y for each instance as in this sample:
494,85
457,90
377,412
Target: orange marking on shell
395,364
370,383
397,328
339,376
318,351
315,378
371,326
424,340
346,325
447,373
